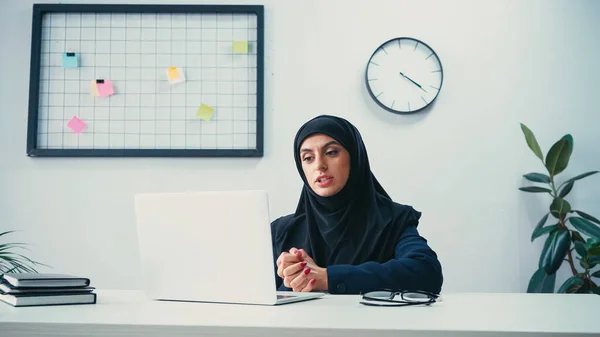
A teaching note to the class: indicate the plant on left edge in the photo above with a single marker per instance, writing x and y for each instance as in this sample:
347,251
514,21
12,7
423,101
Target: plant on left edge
13,262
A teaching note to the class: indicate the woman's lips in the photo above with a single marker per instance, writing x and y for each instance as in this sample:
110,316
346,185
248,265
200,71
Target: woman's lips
324,181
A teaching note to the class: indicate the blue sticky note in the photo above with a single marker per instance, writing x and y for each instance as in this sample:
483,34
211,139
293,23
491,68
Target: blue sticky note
69,60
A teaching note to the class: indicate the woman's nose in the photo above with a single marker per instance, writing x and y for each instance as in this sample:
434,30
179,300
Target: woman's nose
321,165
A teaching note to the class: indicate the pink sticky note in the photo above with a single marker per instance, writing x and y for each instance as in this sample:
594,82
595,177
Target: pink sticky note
105,89
76,124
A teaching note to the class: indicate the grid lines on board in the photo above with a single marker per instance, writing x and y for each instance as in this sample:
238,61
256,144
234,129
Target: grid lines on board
132,53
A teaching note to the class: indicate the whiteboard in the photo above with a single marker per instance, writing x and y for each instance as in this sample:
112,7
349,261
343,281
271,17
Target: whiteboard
146,80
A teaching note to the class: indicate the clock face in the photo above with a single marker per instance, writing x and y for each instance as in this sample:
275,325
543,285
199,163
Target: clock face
404,75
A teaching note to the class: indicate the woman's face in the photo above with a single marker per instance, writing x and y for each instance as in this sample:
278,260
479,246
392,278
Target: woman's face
326,164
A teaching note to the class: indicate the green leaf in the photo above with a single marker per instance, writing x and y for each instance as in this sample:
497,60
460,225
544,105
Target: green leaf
581,176
540,223
537,177
9,246
588,217
593,241
596,290
7,232
593,261
584,264
585,226
569,139
575,236
541,282
596,274
594,251
560,207
18,265
547,244
580,249
555,249
532,142
535,189
558,157
541,231
571,285
565,190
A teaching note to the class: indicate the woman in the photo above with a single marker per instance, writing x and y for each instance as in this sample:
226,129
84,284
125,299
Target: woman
347,236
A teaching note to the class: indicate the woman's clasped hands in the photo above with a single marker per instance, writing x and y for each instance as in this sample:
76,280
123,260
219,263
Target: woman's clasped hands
300,272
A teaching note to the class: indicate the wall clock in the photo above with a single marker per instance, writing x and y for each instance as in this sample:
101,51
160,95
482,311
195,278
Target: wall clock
404,75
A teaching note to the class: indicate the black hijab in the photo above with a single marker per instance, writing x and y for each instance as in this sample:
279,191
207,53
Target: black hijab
359,223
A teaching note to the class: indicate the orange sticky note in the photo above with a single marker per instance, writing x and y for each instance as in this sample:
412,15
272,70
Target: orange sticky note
175,75
205,112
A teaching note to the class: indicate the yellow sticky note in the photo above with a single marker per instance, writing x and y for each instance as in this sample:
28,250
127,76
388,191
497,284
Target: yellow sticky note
173,73
240,46
205,112
94,89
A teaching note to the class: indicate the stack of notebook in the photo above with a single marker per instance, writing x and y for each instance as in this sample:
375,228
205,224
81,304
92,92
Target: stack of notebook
31,289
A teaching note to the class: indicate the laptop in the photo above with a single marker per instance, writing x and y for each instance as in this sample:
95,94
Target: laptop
210,246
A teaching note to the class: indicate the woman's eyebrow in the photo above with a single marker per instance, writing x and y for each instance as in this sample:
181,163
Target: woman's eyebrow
333,142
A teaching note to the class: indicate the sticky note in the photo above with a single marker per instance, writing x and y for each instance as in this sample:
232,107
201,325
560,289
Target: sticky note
175,75
240,46
93,88
70,60
105,88
76,124
205,112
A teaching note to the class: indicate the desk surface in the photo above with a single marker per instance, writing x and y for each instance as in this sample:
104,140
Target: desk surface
121,312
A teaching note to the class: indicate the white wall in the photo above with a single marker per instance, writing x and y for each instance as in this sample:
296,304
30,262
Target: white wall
460,163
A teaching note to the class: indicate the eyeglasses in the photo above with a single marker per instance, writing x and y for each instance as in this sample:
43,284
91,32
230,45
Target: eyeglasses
389,298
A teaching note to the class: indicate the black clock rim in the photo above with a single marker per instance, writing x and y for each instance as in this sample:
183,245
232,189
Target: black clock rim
403,112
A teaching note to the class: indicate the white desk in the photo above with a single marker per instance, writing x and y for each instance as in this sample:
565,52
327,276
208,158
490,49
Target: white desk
128,313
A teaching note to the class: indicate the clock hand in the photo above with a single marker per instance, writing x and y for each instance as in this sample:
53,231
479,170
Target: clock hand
415,83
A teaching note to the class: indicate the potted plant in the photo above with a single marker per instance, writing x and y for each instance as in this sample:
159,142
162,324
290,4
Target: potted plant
569,230
13,262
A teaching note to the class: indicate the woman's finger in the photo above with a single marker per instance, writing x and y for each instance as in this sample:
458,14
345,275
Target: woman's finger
304,254
287,280
300,281
294,268
289,259
279,267
299,253
285,260
309,286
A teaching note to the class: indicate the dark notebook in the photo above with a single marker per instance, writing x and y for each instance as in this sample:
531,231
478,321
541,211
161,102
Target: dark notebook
42,280
7,288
